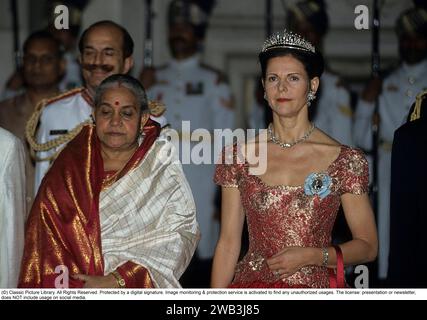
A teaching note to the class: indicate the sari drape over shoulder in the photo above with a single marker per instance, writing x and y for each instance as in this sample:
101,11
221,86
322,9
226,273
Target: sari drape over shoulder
141,222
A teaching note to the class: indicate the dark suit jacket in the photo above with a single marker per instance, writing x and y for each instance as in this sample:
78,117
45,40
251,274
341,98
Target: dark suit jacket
408,206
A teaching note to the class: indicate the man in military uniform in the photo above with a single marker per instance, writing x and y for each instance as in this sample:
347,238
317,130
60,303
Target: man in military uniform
105,48
408,207
43,67
331,111
396,94
196,93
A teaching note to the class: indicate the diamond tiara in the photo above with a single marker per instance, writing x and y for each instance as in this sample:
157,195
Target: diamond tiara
287,39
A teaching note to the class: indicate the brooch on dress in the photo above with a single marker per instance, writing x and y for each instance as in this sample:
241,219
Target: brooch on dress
317,184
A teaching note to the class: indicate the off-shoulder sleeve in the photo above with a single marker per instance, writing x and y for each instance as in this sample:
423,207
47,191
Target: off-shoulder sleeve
228,167
355,174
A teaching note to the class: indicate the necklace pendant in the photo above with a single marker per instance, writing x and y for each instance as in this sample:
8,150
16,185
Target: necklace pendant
288,145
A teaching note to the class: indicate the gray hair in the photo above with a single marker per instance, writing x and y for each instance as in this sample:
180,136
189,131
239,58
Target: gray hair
125,81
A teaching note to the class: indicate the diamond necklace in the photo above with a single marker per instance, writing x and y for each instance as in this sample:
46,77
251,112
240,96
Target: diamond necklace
275,140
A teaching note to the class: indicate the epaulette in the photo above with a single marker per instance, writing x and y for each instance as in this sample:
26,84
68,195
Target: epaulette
61,96
221,76
415,112
156,108
32,125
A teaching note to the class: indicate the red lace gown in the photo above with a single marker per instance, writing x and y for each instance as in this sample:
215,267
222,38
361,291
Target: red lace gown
284,216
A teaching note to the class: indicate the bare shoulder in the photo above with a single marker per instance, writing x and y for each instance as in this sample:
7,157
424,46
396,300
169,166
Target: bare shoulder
325,146
328,148
255,148
321,138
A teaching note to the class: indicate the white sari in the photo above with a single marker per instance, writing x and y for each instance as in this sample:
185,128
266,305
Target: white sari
148,217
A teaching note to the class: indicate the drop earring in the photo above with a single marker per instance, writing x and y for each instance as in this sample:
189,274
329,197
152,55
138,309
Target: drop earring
310,97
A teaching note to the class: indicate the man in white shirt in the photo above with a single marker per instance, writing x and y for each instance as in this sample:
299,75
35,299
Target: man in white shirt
12,208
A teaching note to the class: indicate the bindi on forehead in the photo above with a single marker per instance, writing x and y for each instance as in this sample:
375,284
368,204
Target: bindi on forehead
116,103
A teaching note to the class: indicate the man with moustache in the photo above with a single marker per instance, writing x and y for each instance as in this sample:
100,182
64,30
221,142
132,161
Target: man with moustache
199,94
396,94
106,48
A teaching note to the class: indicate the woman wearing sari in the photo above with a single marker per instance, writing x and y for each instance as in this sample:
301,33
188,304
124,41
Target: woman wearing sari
115,209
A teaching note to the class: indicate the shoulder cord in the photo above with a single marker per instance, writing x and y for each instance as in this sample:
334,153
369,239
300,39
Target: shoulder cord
30,133
416,114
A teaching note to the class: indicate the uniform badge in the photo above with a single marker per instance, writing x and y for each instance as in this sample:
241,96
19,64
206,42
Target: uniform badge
194,88
58,132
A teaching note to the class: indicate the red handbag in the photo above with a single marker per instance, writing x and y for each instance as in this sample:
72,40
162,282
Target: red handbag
337,279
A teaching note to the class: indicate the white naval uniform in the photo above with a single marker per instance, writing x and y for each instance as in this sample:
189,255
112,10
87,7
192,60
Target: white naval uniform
334,114
194,93
398,94
59,117
12,208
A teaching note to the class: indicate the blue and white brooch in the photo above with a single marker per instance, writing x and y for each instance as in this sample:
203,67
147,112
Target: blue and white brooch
318,184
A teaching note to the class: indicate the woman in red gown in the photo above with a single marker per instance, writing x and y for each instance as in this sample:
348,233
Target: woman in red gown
291,207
